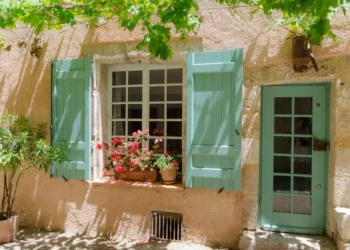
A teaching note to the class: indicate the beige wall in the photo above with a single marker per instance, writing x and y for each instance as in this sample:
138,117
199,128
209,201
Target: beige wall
123,209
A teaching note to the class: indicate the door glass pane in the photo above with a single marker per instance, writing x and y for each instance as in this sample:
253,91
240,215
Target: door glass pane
135,94
133,126
135,77
174,76
174,111
302,205
303,125
174,93
135,111
118,128
283,125
281,204
118,78
157,76
118,111
174,146
174,129
281,164
156,111
282,145
156,128
281,184
156,94
283,105
302,185
302,146
302,165
303,106
118,95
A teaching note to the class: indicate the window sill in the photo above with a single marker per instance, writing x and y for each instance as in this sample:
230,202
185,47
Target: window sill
136,184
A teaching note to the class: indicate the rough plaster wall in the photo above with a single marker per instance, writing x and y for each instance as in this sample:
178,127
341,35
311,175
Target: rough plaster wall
102,208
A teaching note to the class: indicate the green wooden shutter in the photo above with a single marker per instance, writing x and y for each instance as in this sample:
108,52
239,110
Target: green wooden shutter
71,116
214,117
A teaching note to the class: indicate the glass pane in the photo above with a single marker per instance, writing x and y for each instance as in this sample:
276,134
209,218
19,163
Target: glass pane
118,78
118,128
302,146
135,77
135,94
118,95
301,205
156,128
303,126
281,164
160,144
174,111
174,93
302,185
281,184
282,145
283,105
156,94
157,76
302,165
174,76
283,125
281,204
303,106
118,111
174,129
156,111
135,111
134,126
174,146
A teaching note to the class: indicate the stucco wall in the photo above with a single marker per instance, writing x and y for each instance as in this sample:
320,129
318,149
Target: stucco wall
123,209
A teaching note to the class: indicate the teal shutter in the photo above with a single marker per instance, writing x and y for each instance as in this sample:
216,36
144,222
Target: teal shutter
214,119
71,116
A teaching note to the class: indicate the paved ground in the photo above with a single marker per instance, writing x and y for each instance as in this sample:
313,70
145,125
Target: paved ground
42,240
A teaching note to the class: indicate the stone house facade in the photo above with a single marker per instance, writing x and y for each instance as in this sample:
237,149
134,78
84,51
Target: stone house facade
98,206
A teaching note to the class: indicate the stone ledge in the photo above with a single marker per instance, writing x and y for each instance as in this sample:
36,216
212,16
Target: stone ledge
342,219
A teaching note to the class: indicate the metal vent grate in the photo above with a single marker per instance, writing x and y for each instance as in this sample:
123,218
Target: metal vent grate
166,226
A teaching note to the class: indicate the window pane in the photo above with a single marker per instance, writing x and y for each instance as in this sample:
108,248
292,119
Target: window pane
174,129
133,126
301,205
118,95
156,128
303,126
174,93
135,111
281,204
302,165
118,128
156,94
282,145
174,146
135,94
303,106
283,105
281,164
302,145
157,76
118,78
302,185
283,125
281,184
174,76
135,77
174,111
118,111
156,111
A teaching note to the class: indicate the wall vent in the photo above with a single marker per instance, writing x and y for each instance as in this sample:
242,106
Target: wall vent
166,226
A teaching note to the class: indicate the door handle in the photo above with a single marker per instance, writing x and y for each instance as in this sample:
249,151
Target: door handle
318,186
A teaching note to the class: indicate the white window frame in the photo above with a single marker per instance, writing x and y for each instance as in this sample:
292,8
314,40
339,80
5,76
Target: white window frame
145,99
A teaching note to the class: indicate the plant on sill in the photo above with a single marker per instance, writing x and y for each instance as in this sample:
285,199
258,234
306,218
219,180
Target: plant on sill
168,164
22,146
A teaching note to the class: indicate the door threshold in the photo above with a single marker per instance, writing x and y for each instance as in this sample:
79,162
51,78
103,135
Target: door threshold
294,230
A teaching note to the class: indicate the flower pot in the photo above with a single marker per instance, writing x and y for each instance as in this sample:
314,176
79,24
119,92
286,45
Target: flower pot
144,176
9,228
169,174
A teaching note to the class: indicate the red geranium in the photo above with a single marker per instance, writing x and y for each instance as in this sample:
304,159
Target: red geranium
99,146
119,169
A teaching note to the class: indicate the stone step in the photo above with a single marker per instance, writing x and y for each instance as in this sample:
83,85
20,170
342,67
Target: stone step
262,240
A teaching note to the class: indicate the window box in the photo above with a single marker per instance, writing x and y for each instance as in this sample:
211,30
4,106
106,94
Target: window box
143,176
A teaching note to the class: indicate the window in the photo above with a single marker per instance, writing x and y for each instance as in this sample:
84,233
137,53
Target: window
147,97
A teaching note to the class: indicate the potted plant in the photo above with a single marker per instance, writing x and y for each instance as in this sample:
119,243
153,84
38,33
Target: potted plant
22,146
129,159
167,165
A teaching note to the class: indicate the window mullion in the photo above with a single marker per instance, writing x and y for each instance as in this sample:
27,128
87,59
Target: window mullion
145,100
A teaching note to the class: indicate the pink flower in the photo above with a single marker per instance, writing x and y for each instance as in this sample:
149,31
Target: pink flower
176,164
99,146
133,148
138,132
119,169
117,140
133,162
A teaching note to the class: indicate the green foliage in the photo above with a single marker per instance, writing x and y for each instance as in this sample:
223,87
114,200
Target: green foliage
167,160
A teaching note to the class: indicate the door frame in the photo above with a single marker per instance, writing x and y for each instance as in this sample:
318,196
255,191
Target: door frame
327,127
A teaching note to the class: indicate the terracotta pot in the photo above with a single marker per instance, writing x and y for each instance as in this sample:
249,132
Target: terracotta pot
9,228
144,176
169,174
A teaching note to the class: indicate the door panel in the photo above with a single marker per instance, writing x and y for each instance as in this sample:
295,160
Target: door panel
293,174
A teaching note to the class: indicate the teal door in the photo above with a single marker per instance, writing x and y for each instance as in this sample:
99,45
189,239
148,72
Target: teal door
293,185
